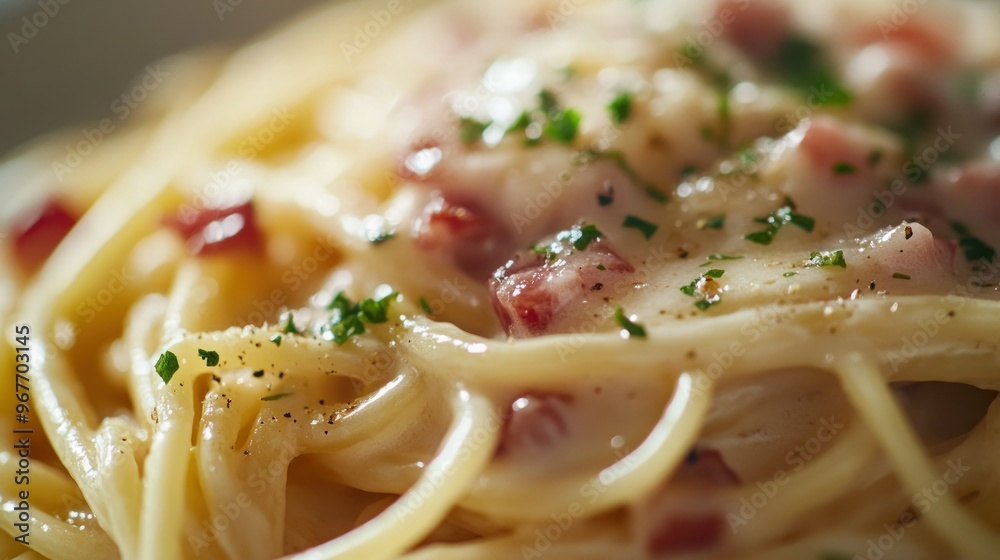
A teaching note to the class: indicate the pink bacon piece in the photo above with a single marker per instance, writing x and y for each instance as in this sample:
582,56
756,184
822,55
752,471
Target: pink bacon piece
464,232
681,519
213,231
535,421
533,292
757,26
38,234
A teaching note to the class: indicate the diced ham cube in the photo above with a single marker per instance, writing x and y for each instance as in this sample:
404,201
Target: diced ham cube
464,232
37,235
214,231
535,421
758,27
534,291
682,516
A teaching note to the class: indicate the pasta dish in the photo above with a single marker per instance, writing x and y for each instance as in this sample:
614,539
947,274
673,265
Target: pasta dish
530,279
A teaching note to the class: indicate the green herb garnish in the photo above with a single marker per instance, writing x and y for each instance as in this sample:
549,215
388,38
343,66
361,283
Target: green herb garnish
376,311
827,258
620,107
275,396
562,126
211,358
843,168
583,236
802,64
698,286
712,222
166,366
975,249
471,130
900,276
276,339
580,237
547,102
348,319
381,237
289,323
646,228
426,306
778,219
633,329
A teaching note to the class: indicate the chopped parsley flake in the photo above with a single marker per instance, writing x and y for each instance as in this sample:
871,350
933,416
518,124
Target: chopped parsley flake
778,219
348,319
376,311
712,222
789,274
802,64
900,276
341,305
549,120
211,358
646,228
547,102
471,130
343,330
827,258
562,127
705,289
381,237
276,339
425,306
166,366
620,107
631,328
973,247
601,267
275,396
843,168
289,323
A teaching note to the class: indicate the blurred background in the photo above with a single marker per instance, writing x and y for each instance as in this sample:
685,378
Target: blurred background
64,62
